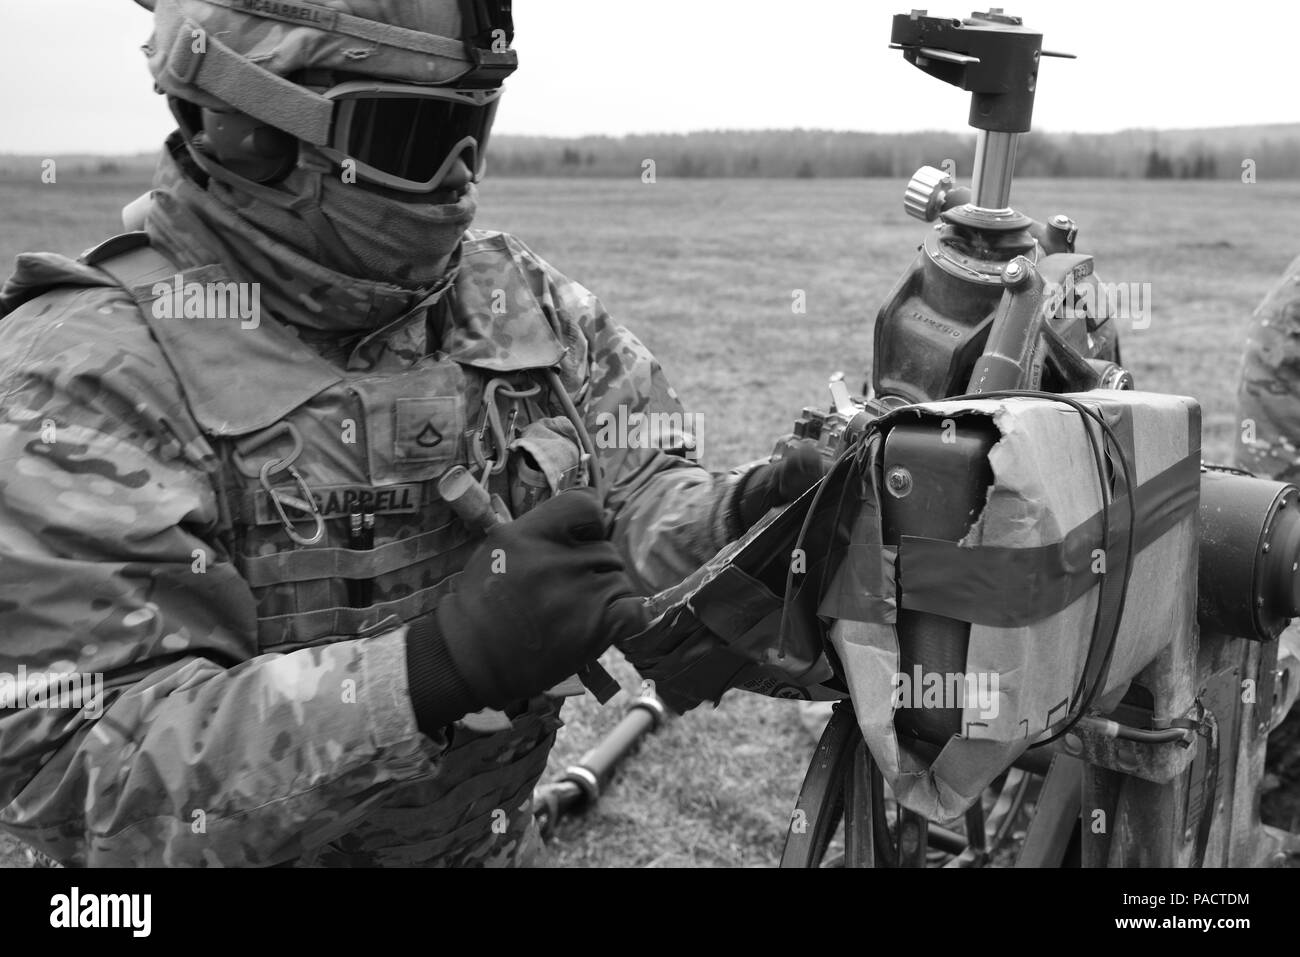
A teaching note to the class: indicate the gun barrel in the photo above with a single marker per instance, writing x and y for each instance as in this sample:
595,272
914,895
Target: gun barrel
1249,576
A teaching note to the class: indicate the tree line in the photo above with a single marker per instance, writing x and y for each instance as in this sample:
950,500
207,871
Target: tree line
814,154
1271,153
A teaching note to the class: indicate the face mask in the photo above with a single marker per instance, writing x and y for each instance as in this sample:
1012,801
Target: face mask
403,243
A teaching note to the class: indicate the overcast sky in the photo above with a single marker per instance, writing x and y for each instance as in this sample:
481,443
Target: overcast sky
73,79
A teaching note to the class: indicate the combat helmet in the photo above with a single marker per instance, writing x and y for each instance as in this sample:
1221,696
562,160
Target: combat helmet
392,91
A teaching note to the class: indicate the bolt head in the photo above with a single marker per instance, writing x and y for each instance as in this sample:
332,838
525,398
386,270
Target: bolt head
1014,272
899,481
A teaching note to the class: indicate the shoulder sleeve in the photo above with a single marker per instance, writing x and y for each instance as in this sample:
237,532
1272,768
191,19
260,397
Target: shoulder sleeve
1268,395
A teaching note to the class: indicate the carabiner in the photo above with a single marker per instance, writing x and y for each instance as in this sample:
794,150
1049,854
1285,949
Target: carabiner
305,504
492,420
248,444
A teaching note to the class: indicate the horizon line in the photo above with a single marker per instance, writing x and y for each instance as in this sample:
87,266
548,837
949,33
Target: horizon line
149,151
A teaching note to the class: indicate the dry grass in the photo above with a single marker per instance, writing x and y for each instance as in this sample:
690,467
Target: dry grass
703,272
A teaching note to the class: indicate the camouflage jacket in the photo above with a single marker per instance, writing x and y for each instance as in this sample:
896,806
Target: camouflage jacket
248,715
1268,437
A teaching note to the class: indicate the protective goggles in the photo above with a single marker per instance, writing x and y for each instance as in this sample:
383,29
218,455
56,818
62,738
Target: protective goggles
408,137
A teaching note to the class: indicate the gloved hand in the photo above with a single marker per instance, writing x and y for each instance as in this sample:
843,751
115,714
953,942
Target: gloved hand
778,482
539,598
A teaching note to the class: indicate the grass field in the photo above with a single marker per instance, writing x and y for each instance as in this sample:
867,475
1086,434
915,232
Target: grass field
704,272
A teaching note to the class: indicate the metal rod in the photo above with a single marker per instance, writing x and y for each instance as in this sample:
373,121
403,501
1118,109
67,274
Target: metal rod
995,161
643,716
581,784
943,839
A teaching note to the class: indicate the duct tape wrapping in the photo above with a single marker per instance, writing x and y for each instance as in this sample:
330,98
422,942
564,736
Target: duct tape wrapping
1031,576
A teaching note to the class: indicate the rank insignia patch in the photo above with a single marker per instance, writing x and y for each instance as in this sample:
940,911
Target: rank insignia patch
427,429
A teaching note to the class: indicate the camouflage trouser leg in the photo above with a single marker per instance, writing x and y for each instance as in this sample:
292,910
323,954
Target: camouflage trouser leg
400,838
475,812
532,852
519,845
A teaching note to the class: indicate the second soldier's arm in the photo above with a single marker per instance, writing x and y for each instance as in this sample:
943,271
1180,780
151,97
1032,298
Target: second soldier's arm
1268,395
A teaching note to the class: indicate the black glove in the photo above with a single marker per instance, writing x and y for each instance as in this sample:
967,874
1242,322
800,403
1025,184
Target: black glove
778,482
523,618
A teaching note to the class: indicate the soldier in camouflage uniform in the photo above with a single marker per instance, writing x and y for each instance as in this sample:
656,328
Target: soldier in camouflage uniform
1268,441
233,514
1268,398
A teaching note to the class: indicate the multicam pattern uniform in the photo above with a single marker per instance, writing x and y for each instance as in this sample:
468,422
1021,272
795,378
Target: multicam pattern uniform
1268,398
1268,437
253,717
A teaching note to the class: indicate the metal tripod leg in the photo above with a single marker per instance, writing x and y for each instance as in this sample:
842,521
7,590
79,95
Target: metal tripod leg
863,790
1056,816
821,799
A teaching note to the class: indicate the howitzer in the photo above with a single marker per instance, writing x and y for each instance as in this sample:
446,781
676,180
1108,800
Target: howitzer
1159,748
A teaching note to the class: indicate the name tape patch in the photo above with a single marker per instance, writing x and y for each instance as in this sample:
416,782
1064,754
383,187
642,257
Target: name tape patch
337,501
290,11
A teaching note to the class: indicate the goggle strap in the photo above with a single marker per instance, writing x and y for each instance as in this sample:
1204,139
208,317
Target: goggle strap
249,88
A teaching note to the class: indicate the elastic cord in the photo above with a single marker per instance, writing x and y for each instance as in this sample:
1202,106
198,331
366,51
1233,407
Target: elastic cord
584,437
1084,695
788,598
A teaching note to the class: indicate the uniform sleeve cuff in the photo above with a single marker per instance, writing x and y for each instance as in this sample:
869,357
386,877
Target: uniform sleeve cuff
439,695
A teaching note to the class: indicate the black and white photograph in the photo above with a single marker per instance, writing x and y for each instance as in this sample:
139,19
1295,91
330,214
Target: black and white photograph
643,436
